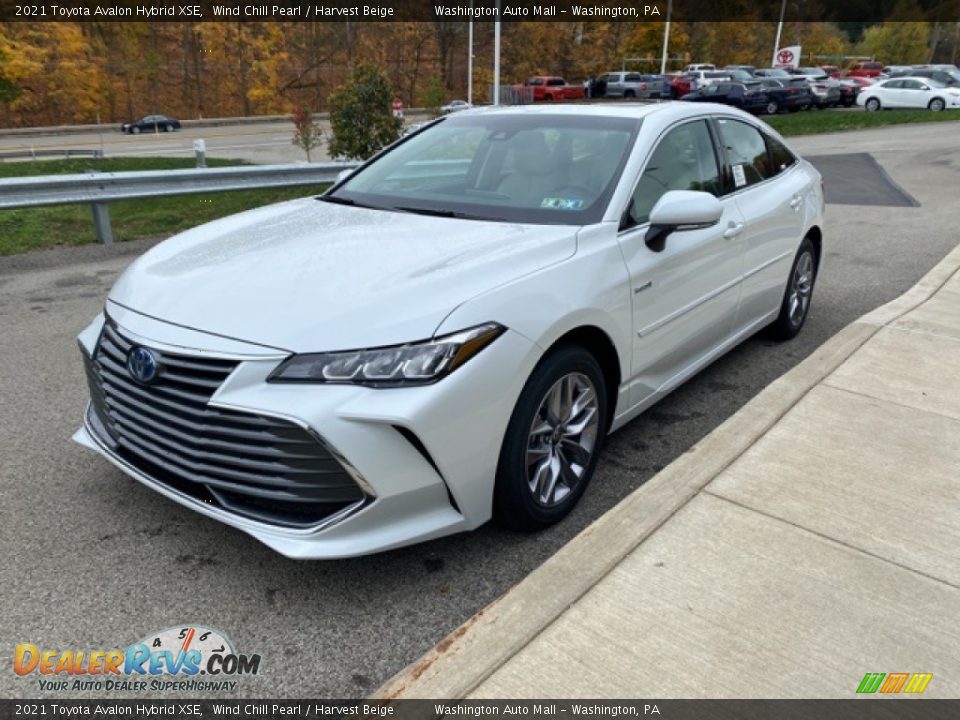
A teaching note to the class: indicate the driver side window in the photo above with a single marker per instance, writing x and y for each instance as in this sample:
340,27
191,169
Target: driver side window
683,160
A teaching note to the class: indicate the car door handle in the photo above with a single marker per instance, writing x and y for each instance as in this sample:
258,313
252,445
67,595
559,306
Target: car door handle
733,229
796,202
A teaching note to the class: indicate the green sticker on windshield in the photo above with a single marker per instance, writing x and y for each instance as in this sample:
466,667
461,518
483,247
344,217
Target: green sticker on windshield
562,203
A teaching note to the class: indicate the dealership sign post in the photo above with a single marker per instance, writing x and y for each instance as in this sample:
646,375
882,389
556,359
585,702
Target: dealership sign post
787,57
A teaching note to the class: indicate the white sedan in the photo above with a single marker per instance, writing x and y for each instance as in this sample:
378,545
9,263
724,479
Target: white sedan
449,333
909,92
455,106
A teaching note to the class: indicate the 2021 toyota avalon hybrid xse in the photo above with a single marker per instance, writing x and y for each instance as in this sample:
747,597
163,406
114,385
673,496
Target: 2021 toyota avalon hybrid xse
450,332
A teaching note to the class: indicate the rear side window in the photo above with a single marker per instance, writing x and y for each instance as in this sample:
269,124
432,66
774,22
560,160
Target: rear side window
746,153
780,156
634,77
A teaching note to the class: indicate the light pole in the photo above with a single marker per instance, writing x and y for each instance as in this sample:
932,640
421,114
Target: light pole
470,56
496,57
666,40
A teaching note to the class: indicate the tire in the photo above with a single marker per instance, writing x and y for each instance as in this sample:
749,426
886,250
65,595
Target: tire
536,451
135,130
168,128
872,105
773,107
548,98
629,95
936,105
795,305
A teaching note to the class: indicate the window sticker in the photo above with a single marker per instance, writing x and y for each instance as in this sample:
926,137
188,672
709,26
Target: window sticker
562,203
739,178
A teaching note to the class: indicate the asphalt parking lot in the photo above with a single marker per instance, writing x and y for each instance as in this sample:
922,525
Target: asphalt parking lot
94,560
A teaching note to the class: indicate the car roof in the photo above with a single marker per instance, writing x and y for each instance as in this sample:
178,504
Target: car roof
665,111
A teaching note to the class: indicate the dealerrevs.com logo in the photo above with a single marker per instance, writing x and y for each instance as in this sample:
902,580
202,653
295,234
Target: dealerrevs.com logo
183,659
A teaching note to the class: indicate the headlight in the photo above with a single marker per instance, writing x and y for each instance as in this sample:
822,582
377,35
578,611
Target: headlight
414,364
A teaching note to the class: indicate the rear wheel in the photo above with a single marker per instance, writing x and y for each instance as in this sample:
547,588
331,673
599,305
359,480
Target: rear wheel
798,293
872,105
552,442
773,107
135,130
628,94
936,105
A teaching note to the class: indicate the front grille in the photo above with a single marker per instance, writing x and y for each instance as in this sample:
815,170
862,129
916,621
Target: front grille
259,467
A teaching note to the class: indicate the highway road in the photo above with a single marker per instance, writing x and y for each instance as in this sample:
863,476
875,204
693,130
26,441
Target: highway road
265,142
92,560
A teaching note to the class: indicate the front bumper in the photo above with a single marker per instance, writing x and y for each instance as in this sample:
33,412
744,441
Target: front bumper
426,456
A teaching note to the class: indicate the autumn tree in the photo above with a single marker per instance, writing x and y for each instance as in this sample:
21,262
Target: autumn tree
434,97
361,118
8,90
307,134
901,40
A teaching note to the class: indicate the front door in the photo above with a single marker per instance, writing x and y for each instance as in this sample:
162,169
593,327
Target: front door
685,296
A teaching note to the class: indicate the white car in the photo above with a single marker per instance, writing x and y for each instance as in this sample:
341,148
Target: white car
909,92
455,106
451,331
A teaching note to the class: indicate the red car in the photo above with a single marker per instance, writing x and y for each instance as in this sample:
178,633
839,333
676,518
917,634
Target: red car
551,87
866,69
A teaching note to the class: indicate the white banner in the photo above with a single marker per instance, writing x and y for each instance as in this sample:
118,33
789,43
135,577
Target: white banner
788,57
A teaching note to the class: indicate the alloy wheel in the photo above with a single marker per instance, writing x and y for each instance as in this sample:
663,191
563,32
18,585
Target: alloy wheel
801,288
562,439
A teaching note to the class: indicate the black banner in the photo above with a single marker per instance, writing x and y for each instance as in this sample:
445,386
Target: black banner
856,709
190,11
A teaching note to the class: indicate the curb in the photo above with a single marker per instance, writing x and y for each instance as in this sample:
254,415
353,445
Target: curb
472,652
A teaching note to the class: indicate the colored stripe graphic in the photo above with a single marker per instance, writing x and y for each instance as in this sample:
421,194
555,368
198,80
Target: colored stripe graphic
870,682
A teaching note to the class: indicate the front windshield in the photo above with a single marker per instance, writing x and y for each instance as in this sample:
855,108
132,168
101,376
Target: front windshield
530,168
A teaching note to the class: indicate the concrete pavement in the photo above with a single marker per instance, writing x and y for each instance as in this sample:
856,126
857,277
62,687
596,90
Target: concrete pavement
810,539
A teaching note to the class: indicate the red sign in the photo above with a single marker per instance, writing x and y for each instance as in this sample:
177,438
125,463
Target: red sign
785,57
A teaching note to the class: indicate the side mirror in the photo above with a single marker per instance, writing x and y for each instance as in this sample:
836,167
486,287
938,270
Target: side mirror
681,210
343,175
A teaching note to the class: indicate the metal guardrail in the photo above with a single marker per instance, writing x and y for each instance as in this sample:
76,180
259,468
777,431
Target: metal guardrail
33,154
99,188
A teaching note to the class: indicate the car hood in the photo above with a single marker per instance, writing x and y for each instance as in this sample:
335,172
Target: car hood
309,276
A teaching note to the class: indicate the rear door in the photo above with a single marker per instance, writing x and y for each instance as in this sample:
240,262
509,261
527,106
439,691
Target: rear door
764,179
685,296
915,94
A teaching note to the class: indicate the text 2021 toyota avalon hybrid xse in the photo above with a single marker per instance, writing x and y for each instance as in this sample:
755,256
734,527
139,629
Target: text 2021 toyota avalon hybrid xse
451,331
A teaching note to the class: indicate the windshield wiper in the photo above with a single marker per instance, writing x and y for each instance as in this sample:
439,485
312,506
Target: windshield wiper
434,212
337,200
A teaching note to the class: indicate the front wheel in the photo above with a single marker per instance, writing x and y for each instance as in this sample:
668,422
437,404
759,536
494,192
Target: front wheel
773,107
936,105
168,128
135,130
552,442
872,105
798,293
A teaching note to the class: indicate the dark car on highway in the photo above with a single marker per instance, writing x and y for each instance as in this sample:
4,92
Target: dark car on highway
746,96
151,123
787,94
